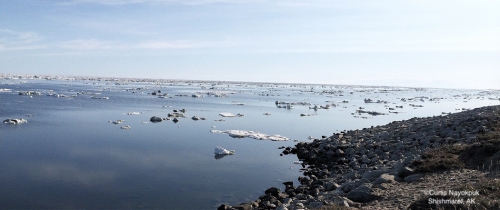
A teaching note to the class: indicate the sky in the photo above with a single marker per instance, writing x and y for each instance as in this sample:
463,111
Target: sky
424,43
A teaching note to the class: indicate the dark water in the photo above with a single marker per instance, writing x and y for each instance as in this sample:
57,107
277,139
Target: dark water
69,155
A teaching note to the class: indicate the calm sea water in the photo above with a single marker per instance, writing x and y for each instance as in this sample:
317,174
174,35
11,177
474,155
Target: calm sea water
69,155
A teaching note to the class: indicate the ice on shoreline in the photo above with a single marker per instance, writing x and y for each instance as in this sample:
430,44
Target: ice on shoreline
252,134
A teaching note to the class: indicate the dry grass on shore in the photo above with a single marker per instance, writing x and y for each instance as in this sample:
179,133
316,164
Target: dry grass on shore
483,156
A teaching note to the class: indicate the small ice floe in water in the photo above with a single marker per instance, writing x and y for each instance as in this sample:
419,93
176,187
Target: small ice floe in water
15,121
198,118
133,113
227,114
221,151
126,127
99,97
117,122
252,134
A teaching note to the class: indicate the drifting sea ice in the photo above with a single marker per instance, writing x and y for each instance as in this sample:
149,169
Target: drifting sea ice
221,151
252,134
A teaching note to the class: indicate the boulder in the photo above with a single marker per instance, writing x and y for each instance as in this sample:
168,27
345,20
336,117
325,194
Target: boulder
362,194
405,171
223,207
414,178
273,191
384,178
373,175
155,119
243,206
315,205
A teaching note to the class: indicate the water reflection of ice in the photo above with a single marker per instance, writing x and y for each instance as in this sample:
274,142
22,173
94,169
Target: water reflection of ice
160,160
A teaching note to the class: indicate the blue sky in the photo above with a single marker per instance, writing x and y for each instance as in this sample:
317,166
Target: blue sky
449,44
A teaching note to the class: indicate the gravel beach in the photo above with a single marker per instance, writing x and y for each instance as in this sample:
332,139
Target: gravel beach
376,167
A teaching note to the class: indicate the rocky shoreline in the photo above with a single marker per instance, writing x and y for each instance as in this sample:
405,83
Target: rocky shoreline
354,168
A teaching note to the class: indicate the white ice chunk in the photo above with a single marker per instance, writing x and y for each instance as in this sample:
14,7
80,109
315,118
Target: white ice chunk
227,114
133,113
15,121
252,134
221,151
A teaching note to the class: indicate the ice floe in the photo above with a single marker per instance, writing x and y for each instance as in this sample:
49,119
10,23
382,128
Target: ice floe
15,121
117,122
228,114
100,97
221,151
133,113
252,134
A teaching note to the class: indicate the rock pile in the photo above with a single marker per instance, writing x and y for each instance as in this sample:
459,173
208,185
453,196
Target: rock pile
348,167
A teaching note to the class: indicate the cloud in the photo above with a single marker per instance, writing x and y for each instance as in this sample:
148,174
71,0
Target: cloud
82,44
16,40
183,2
18,37
181,44
95,44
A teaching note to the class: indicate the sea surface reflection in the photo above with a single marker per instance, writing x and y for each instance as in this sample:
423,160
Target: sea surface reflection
69,155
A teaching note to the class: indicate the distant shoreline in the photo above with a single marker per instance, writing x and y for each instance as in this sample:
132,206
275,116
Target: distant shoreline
126,79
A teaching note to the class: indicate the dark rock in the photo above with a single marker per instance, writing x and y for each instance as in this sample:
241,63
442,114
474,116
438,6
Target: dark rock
362,194
273,191
414,178
315,205
155,119
223,207
243,206
405,171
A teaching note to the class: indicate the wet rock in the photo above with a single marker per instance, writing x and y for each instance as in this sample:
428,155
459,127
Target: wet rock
223,207
243,206
155,119
273,191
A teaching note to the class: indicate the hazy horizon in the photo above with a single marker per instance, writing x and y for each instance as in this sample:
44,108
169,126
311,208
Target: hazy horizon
445,44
